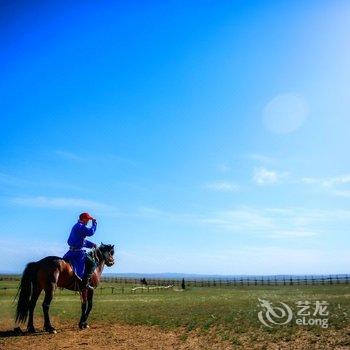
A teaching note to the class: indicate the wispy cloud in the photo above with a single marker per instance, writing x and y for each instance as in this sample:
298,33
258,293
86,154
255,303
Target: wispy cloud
30,251
222,186
274,222
243,220
265,259
70,156
66,203
263,176
263,222
261,158
328,182
223,168
9,180
337,185
106,157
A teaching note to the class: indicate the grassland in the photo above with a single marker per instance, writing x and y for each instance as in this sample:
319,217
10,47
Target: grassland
229,314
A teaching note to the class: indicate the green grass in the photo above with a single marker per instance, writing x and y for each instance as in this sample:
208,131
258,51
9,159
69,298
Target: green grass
229,309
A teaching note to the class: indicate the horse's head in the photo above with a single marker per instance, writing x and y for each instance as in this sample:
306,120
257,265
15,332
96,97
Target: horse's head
107,253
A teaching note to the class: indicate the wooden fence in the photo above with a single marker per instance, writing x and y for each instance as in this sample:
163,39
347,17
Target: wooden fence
121,285
238,281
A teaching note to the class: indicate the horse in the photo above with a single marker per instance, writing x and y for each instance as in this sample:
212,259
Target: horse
51,272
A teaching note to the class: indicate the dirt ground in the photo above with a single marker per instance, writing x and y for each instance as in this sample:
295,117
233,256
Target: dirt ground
118,336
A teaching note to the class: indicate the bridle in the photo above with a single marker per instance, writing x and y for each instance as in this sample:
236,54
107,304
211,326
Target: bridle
100,255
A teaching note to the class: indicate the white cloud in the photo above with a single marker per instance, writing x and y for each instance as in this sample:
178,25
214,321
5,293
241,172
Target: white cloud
338,180
261,158
106,157
285,113
70,156
267,260
343,193
249,221
9,180
65,203
223,168
238,220
295,233
263,176
13,260
337,185
256,224
264,222
222,186
277,222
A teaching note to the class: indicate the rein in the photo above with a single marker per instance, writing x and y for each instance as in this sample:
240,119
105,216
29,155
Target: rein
96,255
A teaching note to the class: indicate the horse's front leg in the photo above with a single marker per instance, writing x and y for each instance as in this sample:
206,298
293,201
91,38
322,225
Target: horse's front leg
84,308
89,303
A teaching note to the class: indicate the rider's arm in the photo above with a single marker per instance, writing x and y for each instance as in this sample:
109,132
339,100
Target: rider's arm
89,231
88,244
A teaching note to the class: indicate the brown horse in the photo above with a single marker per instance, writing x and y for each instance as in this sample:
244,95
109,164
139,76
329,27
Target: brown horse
51,272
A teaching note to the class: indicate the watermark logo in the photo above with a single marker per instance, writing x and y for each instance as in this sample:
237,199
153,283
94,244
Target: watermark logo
306,314
274,315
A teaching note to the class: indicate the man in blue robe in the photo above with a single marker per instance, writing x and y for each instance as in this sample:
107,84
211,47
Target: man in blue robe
76,255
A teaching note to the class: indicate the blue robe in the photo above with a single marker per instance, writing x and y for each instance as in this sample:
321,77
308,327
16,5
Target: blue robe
77,241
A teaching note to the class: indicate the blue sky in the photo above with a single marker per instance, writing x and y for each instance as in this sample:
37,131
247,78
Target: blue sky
205,136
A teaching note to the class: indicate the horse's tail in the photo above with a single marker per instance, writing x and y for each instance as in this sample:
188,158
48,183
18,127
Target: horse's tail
25,291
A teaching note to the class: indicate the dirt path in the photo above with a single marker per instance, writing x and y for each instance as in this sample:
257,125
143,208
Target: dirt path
127,337
99,336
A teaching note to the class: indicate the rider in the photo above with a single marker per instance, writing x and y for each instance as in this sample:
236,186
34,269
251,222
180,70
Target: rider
83,267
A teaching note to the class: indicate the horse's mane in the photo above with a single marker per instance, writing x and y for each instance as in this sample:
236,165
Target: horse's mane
97,253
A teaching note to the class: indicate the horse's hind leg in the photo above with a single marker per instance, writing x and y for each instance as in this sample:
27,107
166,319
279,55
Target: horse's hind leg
49,290
32,303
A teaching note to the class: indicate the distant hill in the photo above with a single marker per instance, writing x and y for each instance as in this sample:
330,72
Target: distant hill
172,275
192,276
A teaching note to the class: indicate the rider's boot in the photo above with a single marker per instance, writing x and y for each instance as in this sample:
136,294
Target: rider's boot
85,282
89,270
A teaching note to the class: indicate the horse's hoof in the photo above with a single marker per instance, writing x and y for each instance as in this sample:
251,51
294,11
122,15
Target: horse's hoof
50,329
31,330
83,325
18,331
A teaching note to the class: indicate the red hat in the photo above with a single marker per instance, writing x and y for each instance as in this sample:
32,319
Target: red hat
85,216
